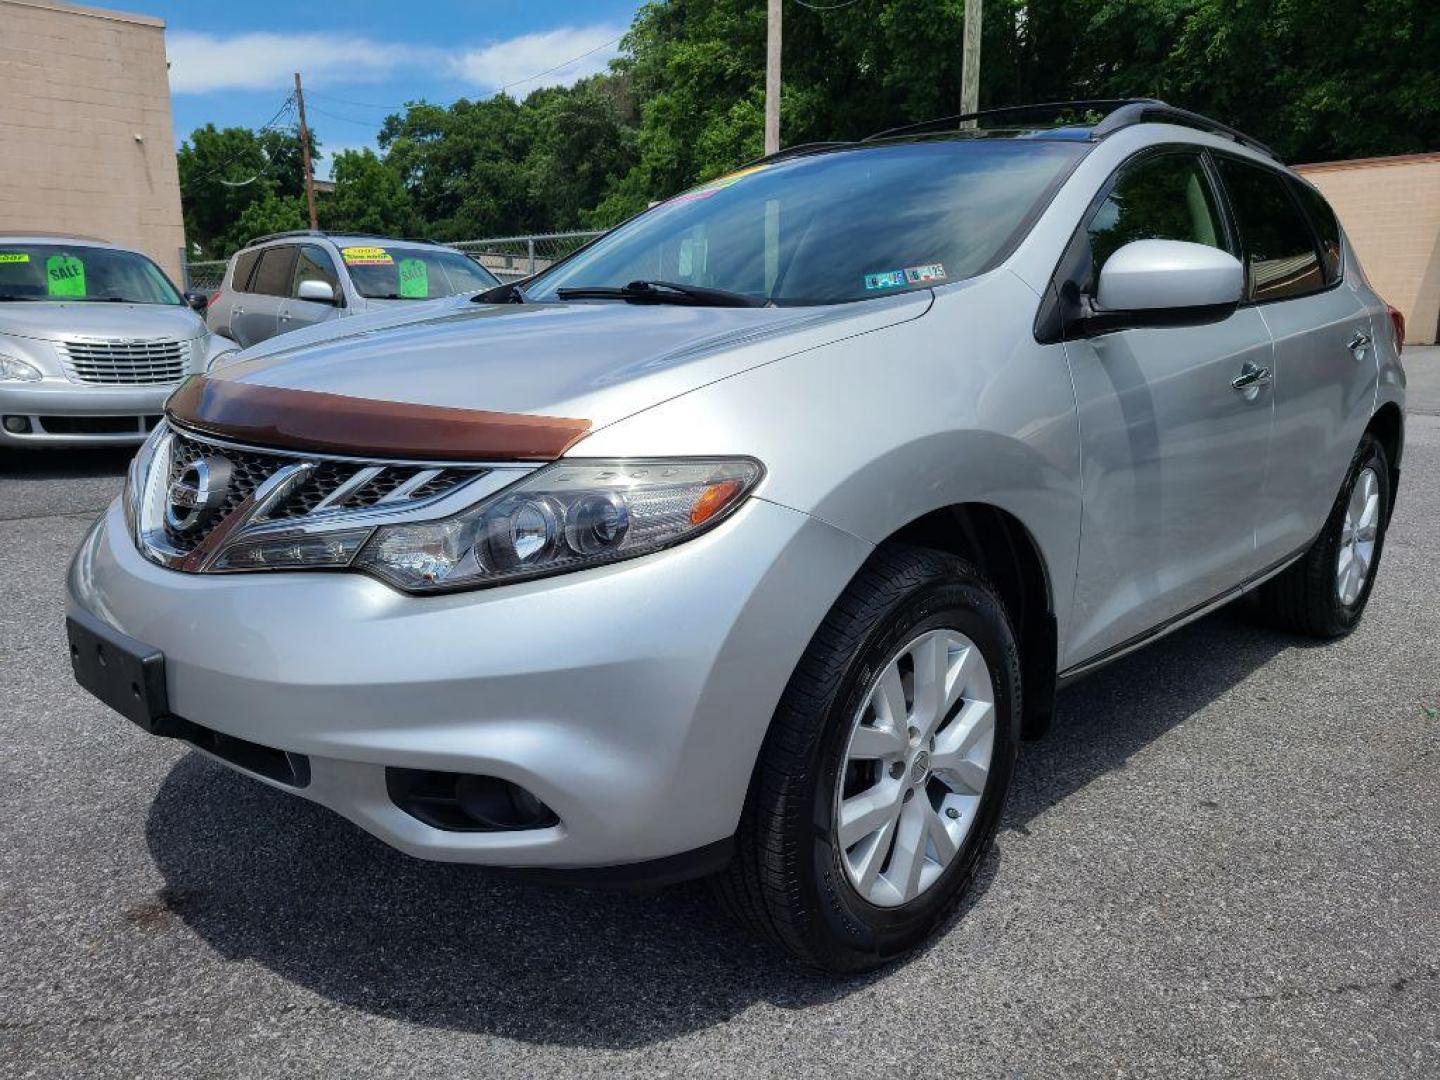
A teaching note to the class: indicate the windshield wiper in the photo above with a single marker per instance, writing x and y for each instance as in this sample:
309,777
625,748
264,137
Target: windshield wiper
662,292
505,293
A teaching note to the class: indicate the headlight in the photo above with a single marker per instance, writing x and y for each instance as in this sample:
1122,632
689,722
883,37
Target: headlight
570,516
13,370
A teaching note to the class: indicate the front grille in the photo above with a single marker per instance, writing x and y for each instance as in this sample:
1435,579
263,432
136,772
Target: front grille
369,483
126,363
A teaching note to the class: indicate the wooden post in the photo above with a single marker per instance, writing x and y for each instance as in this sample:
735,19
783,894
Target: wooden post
772,79
970,62
305,154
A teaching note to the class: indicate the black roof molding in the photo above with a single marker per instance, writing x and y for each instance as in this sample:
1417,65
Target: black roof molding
296,233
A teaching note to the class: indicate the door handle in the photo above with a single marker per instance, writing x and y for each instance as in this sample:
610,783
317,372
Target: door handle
238,311
1358,343
1251,375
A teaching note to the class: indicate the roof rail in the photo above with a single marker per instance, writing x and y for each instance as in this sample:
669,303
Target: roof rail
328,234
1157,112
1119,113
1050,109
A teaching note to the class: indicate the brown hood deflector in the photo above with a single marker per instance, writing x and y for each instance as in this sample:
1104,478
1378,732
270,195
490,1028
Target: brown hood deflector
359,427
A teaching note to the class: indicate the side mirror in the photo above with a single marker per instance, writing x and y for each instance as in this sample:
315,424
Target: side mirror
1165,283
318,292
198,301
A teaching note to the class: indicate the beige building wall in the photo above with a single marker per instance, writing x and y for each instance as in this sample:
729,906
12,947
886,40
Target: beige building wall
86,142
1390,208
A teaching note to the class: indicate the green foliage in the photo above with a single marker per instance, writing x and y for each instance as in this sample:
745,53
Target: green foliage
369,197
1317,79
269,214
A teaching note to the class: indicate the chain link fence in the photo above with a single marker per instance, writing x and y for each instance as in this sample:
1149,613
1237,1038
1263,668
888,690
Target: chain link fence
204,276
509,258
513,257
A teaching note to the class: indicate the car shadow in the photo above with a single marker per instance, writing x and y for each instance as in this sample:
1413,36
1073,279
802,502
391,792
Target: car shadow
263,876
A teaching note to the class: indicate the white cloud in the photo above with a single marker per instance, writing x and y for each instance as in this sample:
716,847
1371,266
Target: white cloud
200,63
552,58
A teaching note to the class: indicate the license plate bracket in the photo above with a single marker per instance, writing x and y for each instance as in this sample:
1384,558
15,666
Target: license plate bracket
126,674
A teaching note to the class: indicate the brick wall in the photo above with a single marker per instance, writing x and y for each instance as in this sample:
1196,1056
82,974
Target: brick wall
77,86
1390,208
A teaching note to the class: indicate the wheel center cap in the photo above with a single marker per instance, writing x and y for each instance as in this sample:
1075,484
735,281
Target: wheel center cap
920,767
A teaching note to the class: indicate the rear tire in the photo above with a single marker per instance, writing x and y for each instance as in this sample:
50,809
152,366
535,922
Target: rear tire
1324,594
793,880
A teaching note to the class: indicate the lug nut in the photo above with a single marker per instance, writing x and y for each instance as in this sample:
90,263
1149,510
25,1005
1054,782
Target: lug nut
952,813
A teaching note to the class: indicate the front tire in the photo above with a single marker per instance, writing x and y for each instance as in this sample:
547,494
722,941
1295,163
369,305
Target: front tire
1324,594
883,777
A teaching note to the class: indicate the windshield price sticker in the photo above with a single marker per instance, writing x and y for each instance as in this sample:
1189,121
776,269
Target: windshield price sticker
898,279
8,257
64,276
414,279
366,256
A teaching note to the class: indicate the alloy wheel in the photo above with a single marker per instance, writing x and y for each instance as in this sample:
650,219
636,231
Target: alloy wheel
1358,533
915,767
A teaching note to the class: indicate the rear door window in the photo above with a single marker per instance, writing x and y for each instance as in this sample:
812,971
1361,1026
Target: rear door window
1164,197
276,269
1281,261
244,267
1327,228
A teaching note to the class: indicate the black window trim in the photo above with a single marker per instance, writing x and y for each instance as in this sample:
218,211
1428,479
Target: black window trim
1050,319
1296,179
244,286
1284,178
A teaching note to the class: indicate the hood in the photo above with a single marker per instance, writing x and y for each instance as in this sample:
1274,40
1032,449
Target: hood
57,321
600,362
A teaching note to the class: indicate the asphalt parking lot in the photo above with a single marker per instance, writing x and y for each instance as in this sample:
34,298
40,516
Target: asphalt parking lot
1224,861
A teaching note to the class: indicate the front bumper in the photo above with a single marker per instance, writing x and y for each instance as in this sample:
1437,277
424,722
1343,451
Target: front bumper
631,699
60,413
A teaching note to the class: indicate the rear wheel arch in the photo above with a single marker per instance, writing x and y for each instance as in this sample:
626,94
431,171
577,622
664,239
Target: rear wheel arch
1388,428
1005,551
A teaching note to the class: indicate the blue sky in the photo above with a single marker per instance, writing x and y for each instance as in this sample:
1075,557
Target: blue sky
234,63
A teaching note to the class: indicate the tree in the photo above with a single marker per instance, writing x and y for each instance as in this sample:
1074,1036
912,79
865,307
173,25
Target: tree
270,213
369,197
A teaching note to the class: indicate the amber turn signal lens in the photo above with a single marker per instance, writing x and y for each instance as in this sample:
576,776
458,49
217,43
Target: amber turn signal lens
712,500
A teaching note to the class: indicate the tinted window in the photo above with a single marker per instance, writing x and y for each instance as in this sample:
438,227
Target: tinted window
272,277
68,273
1280,257
1322,218
244,264
314,264
1157,198
391,272
832,227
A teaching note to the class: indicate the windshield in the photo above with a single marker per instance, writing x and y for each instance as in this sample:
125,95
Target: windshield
405,273
832,227
75,272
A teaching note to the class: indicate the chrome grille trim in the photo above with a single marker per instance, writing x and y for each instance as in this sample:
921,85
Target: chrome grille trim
318,495
126,362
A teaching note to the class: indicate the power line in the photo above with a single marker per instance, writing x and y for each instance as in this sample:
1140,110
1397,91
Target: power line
826,7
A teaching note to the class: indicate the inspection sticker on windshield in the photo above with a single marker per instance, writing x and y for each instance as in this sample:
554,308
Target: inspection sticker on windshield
898,279
14,257
366,256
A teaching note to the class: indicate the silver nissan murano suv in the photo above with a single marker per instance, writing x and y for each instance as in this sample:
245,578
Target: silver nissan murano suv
752,539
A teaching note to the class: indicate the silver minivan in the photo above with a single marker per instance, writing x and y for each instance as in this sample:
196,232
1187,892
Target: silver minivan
292,280
752,539
93,338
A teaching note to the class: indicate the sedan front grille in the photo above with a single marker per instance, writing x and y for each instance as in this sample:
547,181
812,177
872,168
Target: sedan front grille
126,362
329,486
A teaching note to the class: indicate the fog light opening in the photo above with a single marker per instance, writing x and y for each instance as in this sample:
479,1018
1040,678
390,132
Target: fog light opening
459,802
17,425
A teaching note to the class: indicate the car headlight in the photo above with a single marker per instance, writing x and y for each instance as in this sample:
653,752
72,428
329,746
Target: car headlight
13,370
569,516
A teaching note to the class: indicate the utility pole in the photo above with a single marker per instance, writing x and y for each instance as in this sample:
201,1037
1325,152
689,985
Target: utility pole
970,62
772,79
305,153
